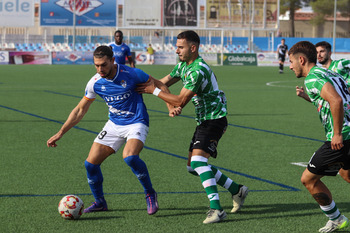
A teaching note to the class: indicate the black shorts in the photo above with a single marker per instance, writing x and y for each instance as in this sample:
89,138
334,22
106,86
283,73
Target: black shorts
207,135
281,57
328,162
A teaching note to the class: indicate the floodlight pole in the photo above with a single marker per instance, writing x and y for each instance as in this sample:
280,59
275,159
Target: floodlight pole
334,25
74,23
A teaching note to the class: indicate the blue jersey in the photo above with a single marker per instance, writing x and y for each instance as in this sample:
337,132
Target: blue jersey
120,52
125,105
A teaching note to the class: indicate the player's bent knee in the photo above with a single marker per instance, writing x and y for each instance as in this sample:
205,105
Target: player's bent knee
191,171
306,181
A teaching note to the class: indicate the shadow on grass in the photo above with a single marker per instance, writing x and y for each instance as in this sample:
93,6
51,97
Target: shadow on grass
262,211
89,217
290,207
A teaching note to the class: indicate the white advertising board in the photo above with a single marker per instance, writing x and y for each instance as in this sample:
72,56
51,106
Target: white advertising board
4,57
17,13
142,13
160,58
270,59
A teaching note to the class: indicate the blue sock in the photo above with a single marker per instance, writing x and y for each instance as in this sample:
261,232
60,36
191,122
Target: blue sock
95,180
139,168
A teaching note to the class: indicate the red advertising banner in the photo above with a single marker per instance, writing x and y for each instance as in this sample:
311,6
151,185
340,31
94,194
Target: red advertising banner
26,58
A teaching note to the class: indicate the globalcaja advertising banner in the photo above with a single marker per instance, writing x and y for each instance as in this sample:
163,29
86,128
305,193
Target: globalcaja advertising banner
73,58
29,58
238,59
88,13
180,13
142,13
17,13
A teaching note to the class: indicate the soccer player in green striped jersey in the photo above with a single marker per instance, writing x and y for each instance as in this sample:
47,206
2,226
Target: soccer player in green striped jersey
200,85
342,66
324,52
329,93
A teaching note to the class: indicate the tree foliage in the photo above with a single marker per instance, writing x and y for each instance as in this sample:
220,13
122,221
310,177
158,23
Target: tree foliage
292,6
323,8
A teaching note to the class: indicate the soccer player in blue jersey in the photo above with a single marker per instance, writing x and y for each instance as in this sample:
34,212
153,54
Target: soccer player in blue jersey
121,50
128,124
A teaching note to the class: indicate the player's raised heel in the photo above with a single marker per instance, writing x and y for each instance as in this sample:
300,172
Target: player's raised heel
238,199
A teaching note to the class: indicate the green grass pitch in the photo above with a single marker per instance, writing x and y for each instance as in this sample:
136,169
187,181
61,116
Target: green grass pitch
269,129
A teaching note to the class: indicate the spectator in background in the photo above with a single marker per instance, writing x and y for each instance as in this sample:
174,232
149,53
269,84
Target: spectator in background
150,54
121,50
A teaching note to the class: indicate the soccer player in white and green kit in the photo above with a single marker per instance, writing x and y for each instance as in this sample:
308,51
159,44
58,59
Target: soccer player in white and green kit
200,85
329,93
341,66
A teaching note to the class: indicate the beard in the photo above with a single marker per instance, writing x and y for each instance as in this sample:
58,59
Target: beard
323,61
298,73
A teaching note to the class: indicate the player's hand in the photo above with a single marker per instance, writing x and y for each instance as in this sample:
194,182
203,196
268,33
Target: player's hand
147,87
300,91
175,111
52,141
337,142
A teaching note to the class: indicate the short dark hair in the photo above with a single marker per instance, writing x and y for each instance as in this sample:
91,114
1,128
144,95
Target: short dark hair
102,51
306,48
190,36
118,31
325,44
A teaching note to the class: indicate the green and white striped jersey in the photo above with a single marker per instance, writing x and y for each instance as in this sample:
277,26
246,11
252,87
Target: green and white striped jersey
314,82
209,101
341,67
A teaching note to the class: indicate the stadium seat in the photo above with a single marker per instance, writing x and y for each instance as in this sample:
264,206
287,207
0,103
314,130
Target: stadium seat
92,46
4,45
19,47
11,45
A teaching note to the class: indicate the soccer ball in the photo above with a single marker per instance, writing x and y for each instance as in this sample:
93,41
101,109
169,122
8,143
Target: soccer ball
71,207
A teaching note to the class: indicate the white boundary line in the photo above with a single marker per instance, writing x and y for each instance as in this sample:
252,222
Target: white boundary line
276,84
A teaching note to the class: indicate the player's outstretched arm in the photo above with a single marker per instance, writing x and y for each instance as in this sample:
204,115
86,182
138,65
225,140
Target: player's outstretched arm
175,100
173,110
74,118
301,93
168,80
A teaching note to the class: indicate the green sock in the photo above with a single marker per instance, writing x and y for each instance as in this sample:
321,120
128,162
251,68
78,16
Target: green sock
224,181
200,165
